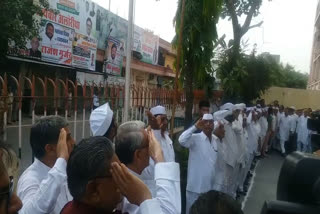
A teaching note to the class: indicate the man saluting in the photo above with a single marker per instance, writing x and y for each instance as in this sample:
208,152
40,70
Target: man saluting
202,158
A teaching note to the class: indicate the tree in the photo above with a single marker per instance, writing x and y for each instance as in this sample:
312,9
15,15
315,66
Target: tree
18,23
288,77
233,9
250,77
253,75
234,61
199,34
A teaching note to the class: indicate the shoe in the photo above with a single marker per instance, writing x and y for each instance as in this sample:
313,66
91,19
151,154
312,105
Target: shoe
283,155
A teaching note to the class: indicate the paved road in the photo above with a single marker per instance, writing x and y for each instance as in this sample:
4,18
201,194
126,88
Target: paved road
264,183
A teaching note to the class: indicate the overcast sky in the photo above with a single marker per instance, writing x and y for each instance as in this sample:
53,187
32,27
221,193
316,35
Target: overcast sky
287,30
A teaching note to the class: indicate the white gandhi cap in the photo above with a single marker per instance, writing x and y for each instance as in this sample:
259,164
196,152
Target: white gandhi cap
227,106
220,115
240,106
158,110
100,120
207,117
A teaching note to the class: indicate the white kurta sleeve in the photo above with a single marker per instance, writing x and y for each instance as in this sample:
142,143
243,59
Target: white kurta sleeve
185,138
167,177
41,198
150,206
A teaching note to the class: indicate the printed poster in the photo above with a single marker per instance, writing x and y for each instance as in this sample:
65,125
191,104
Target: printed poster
32,49
150,46
56,43
84,52
114,57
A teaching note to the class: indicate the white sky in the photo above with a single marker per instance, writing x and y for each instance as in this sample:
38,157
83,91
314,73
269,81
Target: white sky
287,30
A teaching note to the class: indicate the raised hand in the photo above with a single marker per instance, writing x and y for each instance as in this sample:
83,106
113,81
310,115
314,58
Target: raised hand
153,121
200,124
155,150
129,185
62,147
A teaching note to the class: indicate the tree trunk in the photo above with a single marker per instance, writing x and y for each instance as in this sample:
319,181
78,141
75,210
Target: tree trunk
236,45
189,97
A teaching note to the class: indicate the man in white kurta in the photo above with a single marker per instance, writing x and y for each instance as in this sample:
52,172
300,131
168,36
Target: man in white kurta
264,128
223,181
161,133
237,126
284,129
302,132
158,121
43,187
133,148
202,158
253,128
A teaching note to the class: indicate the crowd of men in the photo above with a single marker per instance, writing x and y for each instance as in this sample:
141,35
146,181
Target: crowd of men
132,168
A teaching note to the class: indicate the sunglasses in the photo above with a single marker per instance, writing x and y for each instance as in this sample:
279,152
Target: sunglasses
9,192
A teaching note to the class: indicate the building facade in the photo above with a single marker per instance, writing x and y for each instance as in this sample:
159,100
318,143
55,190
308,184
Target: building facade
314,77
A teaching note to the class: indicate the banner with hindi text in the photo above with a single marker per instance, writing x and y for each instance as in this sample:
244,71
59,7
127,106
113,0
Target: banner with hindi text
56,43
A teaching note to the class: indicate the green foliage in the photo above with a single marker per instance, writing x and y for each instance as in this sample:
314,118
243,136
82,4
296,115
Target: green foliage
286,76
245,81
199,34
253,75
242,7
18,23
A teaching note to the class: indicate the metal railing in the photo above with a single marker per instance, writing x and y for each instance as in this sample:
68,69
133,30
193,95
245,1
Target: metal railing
74,101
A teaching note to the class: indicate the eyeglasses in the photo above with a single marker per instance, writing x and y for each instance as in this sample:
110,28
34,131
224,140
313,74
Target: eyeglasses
10,191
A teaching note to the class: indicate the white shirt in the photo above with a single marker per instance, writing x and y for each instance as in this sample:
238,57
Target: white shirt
167,179
284,128
166,145
51,43
220,181
264,126
238,143
168,152
293,122
279,116
202,160
302,130
230,140
43,189
253,135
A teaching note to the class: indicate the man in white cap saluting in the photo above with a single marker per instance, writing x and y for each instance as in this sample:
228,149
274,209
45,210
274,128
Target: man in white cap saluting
102,122
224,180
159,123
237,126
203,152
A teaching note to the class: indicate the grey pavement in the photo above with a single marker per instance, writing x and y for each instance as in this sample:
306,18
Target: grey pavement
263,184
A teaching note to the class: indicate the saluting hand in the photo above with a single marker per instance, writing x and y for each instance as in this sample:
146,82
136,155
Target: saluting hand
154,122
155,150
129,185
62,147
200,124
